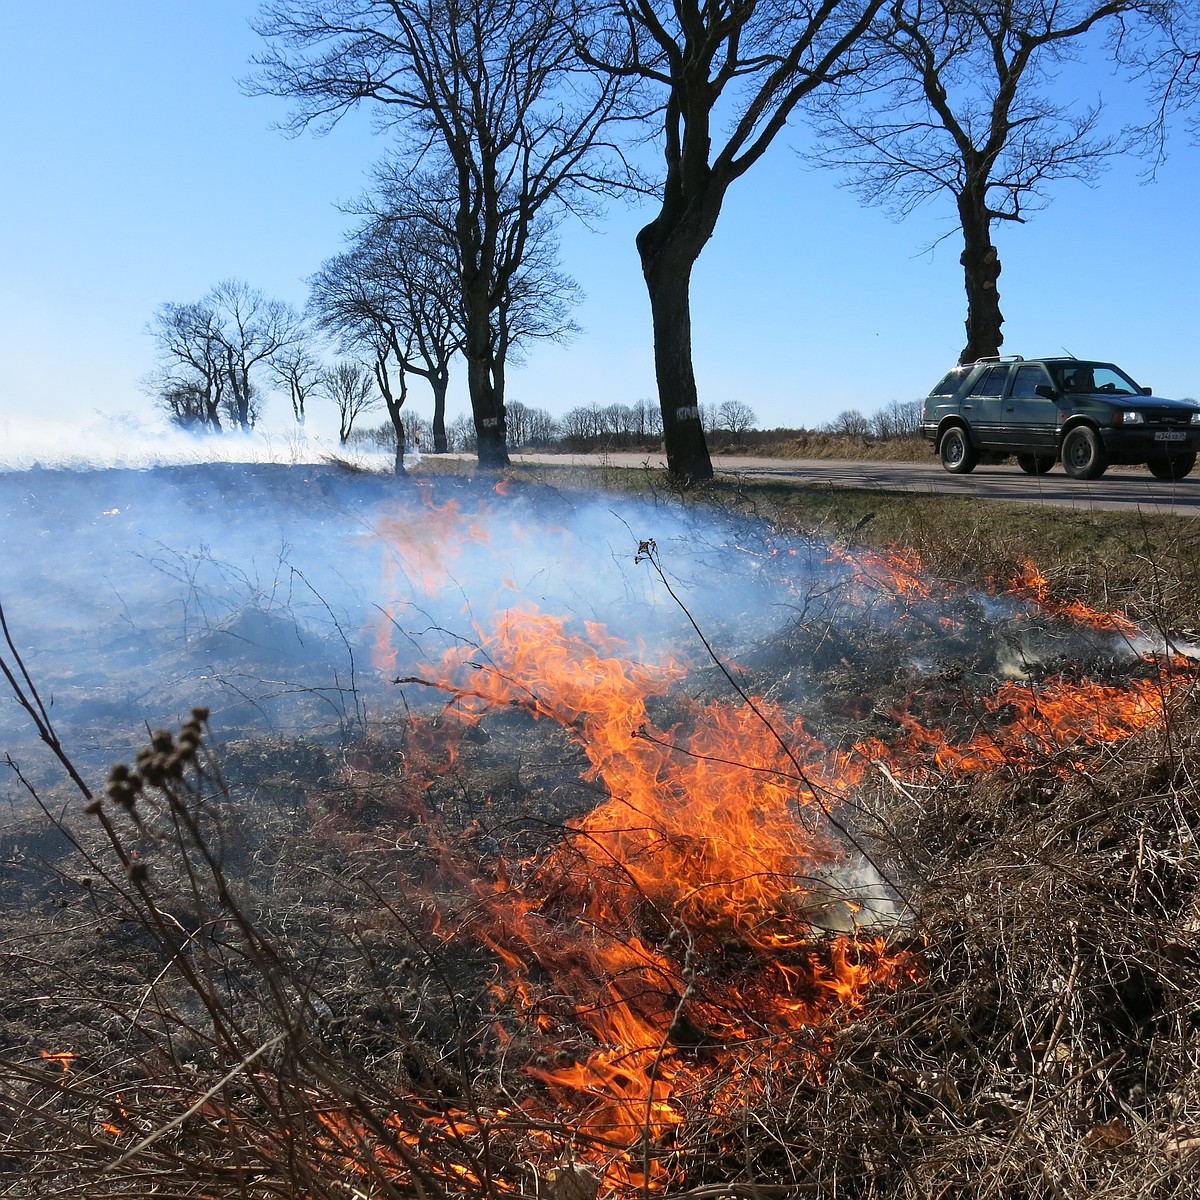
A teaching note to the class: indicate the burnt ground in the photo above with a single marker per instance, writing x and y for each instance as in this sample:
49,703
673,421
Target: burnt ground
314,888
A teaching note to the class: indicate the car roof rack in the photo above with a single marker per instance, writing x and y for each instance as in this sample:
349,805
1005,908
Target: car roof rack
1000,358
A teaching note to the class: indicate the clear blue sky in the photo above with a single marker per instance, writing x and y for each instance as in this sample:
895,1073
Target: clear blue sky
136,172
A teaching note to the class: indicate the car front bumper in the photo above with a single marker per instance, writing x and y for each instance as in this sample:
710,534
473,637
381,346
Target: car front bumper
1135,444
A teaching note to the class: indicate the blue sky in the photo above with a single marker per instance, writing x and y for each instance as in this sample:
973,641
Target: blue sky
137,172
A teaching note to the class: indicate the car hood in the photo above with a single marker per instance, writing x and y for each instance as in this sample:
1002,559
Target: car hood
1158,402
1163,402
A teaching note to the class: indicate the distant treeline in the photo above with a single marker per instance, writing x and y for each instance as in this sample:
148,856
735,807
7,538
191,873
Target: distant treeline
729,427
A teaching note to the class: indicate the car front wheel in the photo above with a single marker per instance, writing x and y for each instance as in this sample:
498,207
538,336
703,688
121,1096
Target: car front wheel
1176,467
1083,454
1035,464
957,454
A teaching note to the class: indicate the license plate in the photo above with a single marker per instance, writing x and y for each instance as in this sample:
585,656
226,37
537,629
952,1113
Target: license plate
1170,435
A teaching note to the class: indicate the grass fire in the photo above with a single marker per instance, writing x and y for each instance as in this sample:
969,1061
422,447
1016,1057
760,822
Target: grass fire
528,842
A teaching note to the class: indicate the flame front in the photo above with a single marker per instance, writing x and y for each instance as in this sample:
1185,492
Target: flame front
711,918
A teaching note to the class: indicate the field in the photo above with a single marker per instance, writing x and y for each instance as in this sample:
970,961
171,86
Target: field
534,840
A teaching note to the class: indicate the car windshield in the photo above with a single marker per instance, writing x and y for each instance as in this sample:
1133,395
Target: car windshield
1094,378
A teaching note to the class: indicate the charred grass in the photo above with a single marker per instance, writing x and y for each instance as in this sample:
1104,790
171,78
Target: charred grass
255,974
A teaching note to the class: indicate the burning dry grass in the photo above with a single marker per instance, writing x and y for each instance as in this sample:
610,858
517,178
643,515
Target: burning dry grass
351,1017
606,923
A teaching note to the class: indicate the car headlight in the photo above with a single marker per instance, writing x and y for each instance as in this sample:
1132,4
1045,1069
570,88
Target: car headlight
1196,417
1126,417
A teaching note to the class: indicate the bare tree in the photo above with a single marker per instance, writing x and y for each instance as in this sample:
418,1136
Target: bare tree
351,387
614,426
535,305
583,425
735,416
851,422
957,101
394,396
461,436
419,430
243,410
190,380
348,300
183,402
1165,51
746,64
407,247
296,366
250,329
529,426
896,419
491,99
649,420
542,427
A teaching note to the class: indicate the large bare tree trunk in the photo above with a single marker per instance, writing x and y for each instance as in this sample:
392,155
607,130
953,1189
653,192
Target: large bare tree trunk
487,405
669,247
981,269
440,383
485,386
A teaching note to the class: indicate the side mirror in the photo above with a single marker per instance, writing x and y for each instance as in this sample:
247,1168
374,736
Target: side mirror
1046,391
1147,391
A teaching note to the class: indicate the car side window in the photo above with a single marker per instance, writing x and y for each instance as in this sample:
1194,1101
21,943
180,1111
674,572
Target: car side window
991,382
950,383
1025,384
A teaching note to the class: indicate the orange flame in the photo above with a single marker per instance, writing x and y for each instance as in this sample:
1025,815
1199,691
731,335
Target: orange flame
1035,724
712,838
1034,584
64,1058
895,571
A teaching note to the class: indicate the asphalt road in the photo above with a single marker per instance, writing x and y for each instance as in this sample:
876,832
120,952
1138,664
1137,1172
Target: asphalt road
1120,487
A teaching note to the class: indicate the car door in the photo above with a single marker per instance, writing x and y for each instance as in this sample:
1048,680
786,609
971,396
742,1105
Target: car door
982,406
1031,420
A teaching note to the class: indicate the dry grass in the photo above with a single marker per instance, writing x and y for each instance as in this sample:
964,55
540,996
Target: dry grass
814,444
1050,1048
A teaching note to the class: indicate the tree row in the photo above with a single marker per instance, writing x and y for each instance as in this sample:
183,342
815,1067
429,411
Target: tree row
501,118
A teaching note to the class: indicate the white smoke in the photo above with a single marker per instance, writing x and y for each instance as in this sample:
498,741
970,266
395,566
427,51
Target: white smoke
137,440
259,589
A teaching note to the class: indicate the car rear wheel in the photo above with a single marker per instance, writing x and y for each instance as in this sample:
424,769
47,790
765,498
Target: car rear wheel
1083,454
1176,467
1036,464
957,454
